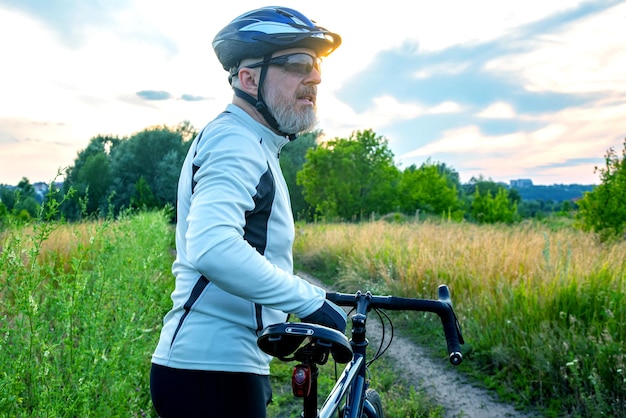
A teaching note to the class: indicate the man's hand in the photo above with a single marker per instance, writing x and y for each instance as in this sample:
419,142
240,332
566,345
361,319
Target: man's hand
329,315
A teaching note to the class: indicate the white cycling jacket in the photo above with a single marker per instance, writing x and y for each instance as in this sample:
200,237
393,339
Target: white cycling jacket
234,236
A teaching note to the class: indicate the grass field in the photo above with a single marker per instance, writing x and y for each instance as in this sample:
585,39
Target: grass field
542,310
82,306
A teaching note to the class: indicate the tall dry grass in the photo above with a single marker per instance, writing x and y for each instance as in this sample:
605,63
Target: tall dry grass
542,310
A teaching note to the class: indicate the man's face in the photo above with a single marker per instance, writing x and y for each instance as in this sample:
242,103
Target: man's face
290,92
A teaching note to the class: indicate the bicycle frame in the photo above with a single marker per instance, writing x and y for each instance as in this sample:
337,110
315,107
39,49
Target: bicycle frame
345,382
354,375
352,385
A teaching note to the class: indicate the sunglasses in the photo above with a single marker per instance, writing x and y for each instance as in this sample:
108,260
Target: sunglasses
299,63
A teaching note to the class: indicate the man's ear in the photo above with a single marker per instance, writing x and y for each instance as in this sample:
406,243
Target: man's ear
249,80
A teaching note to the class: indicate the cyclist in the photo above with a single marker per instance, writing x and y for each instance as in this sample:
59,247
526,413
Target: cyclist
234,232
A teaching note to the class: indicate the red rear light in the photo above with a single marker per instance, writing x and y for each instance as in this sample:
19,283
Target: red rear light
301,380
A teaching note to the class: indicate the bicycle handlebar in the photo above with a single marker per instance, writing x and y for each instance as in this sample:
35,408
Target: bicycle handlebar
442,307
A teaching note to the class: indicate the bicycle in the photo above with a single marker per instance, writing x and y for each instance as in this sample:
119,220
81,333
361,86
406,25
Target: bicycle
311,345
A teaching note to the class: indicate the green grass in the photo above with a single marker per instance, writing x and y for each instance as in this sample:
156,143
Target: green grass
81,312
543,310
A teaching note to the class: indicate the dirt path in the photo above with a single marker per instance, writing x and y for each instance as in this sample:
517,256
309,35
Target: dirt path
439,379
458,397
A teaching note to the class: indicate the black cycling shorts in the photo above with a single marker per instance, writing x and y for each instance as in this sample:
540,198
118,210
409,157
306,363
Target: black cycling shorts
198,393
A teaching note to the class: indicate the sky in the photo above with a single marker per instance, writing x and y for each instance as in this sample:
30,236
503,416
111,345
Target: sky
514,89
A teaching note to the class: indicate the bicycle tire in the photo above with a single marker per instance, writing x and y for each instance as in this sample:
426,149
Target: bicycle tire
374,398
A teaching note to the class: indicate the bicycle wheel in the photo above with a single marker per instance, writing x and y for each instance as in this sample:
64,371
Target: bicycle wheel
374,398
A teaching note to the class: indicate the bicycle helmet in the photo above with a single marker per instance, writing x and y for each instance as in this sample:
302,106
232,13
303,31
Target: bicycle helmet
264,31
260,33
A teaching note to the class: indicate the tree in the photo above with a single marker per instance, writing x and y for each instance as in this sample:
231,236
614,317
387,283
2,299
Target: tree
430,188
483,186
7,197
143,197
95,177
603,209
139,171
487,208
350,178
90,179
156,154
166,182
4,214
292,158
25,188
450,174
25,204
488,186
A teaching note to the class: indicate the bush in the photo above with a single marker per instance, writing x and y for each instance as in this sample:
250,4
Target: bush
602,210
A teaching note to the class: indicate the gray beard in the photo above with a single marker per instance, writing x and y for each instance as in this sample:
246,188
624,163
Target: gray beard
289,119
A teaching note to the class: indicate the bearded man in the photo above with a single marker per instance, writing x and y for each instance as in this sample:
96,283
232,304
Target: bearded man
234,231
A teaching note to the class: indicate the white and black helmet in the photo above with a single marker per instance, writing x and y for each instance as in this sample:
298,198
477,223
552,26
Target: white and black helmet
263,31
260,33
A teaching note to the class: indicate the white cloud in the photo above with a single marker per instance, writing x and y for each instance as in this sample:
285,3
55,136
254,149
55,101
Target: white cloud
343,120
549,134
451,68
446,107
498,110
465,140
568,135
89,88
587,57
340,120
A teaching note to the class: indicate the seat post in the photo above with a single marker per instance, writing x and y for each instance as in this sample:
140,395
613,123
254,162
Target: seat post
309,409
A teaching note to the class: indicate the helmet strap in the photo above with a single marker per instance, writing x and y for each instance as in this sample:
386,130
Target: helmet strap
260,105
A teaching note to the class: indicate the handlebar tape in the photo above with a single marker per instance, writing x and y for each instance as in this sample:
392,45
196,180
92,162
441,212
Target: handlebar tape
451,327
452,333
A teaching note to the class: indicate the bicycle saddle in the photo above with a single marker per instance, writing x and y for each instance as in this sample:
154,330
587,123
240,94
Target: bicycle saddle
282,340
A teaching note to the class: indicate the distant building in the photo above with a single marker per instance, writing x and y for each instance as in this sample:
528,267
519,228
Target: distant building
521,183
41,190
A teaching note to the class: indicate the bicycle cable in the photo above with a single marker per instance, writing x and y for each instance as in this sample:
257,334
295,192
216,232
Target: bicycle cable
382,348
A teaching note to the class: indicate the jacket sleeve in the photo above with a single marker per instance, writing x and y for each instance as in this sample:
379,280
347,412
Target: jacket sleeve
230,168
